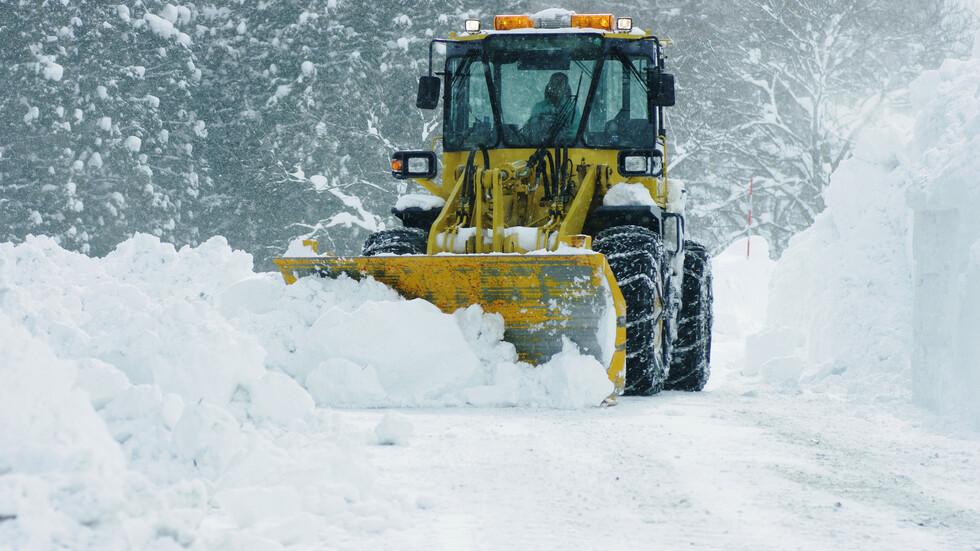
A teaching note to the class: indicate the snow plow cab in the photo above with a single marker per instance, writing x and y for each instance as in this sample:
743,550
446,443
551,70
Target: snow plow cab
553,208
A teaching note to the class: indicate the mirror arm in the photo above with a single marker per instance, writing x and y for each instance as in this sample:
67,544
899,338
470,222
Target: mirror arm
431,46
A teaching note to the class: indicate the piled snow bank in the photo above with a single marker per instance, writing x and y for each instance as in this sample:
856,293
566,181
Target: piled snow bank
358,344
879,297
944,163
741,288
200,325
60,469
145,394
741,295
840,297
123,411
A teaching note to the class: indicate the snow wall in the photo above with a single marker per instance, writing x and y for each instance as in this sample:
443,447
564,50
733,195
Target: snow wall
880,296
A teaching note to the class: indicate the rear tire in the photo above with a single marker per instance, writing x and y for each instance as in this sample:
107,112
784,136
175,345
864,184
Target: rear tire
637,258
691,361
396,241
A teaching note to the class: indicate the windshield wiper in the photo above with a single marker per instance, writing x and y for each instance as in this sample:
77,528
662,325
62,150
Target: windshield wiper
564,117
632,68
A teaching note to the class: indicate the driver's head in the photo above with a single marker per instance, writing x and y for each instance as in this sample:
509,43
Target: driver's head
558,89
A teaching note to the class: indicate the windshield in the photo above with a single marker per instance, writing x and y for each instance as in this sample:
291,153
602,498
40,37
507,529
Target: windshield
619,112
539,84
531,90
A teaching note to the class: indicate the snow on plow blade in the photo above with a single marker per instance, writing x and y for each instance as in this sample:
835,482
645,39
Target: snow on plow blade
541,297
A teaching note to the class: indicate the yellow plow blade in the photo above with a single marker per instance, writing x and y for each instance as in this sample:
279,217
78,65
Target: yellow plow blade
541,297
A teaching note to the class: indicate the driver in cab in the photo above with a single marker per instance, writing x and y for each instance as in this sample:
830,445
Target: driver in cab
555,113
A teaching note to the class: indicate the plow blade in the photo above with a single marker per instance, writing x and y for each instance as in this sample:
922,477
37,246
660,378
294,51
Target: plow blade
541,297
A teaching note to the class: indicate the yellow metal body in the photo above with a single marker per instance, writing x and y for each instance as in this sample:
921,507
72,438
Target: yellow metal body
496,211
541,297
508,196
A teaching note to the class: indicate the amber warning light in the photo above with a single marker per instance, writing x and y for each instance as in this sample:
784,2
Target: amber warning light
510,22
593,21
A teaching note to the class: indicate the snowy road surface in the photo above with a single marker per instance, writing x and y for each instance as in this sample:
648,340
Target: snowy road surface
721,469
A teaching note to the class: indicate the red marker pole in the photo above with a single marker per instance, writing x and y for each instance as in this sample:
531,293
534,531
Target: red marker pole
748,231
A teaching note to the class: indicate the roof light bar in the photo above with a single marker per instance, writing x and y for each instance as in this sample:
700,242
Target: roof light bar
602,21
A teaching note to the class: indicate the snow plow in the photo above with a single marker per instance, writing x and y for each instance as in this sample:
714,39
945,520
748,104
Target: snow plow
553,209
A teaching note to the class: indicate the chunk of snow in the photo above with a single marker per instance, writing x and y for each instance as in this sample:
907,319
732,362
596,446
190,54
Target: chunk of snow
160,26
408,346
320,183
339,382
278,398
394,429
133,144
297,249
169,12
623,194
422,201
53,71
208,437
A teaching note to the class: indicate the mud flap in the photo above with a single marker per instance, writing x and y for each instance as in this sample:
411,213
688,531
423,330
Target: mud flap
542,298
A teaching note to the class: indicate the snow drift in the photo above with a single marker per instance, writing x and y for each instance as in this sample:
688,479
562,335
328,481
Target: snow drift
881,295
146,394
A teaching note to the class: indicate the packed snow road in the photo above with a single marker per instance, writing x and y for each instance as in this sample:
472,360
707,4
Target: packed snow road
721,469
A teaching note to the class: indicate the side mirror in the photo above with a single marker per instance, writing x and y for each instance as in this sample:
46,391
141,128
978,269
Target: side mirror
428,92
413,164
673,232
641,162
661,89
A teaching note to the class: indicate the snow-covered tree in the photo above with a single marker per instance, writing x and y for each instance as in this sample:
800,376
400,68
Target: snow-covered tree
780,89
96,128
308,101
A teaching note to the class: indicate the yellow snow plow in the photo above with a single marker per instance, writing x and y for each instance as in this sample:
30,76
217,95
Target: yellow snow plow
542,298
554,208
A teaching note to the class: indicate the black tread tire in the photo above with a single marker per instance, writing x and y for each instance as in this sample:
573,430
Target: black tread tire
637,258
396,241
691,361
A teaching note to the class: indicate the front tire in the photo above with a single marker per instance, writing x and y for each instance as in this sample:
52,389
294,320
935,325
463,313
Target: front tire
637,258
